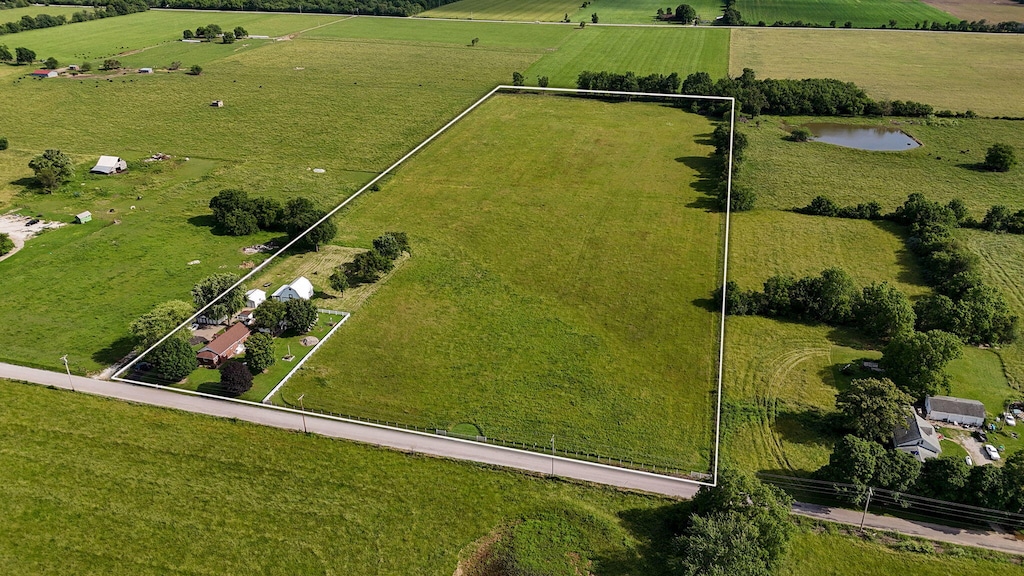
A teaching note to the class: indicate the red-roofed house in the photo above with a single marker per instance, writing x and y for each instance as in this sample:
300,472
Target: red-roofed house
44,74
225,346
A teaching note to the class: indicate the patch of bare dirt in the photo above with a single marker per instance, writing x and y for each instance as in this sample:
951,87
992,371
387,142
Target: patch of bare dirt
16,226
477,559
991,10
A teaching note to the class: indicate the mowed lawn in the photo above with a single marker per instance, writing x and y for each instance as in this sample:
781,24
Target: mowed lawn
558,285
979,72
862,13
640,50
90,485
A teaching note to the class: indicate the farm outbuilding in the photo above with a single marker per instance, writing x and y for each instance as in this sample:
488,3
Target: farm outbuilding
83,217
255,297
301,287
145,70
109,165
959,410
217,103
44,74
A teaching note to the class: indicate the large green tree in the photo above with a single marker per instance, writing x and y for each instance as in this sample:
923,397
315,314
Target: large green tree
163,318
883,311
24,55
52,169
916,361
874,408
945,479
1000,158
259,352
207,289
271,315
301,315
742,525
235,378
367,267
5,53
174,359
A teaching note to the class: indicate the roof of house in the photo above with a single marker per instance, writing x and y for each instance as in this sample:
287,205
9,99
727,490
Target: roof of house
227,341
951,405
256,292
84,215
917,432
41,72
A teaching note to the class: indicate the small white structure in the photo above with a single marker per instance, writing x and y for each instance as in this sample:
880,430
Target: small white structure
255,297
917,438
109,165
950,409
217,103
301,287
83,217
145,70
73,67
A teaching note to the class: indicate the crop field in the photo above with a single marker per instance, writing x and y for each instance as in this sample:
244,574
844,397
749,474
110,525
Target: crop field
991,10
564,299
185,493
862,13
639,50
926,67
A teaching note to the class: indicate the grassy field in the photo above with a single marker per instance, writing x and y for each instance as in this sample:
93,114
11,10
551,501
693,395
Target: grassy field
788,174
562,299
535,39
89,485
239,145
644,11
15,14
958,71
527,11
993,11
640,50
863,13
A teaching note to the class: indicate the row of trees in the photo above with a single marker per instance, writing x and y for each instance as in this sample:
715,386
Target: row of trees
743,198
871,410
212,31
374,7
962,304
786,97
116,8
628,82
237,214
683,13
367,267
21,55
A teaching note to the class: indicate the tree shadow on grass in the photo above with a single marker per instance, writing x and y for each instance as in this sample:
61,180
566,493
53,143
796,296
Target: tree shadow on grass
812,427
709,304
654,528
115,351
973,166
706,183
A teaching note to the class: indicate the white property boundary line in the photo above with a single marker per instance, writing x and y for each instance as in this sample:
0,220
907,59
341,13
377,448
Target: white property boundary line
344,317
500,88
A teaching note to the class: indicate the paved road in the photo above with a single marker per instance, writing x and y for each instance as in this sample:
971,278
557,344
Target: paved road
410,441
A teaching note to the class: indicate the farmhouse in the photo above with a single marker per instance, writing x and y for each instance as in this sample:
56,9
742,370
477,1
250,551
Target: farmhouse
917,438
958,410
83,217
224,347
301,287
255,297
44,74
109,165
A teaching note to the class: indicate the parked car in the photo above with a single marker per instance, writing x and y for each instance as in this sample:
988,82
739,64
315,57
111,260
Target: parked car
1010,420
969,461
991,452
32,222
980,436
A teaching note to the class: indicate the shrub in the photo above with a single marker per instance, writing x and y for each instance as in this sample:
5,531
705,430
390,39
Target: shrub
174,359
1000,158
195,70
800,134
235,378
6,244
3,143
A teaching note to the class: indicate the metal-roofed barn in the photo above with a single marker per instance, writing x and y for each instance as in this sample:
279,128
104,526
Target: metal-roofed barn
109,165
951,409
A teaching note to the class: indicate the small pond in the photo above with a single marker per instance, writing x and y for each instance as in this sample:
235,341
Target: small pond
877,138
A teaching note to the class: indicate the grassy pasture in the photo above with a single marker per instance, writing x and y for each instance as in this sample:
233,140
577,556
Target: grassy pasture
90,485
523,10
640,50
644,11
991,10
559,299
492,35
863,13
977,72
787,175
15,14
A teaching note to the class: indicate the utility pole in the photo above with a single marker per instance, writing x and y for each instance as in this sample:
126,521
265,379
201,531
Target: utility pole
70,381
303,408
865,515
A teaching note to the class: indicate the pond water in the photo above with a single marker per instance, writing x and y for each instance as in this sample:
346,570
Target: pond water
877,138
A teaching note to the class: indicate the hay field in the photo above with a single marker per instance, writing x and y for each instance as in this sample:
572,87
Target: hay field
979,72
556,286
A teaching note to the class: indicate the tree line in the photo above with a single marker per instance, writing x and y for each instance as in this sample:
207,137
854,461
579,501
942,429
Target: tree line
963,303
367,267
869,412
628,82
212,31
236,214
374,7
115,8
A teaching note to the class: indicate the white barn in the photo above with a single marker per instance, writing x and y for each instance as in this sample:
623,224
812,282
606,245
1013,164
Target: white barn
950,409
255,297
301,287
109,165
